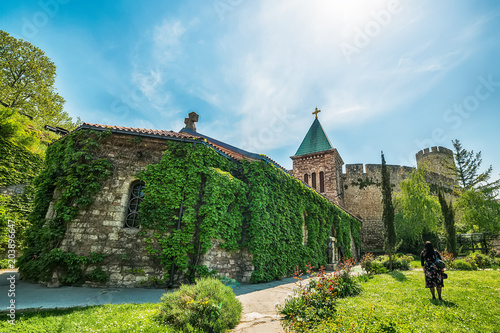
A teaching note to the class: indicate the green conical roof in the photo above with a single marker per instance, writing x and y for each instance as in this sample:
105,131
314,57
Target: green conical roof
315,140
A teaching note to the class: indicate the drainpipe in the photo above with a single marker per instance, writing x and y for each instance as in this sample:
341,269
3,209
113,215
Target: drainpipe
172,268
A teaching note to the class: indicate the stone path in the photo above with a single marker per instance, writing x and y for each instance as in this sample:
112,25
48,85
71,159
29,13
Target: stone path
259,307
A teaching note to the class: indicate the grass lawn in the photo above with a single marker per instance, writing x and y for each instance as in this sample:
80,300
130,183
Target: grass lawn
103,318
399,302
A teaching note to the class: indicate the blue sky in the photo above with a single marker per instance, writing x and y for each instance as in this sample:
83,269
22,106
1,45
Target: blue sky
397,76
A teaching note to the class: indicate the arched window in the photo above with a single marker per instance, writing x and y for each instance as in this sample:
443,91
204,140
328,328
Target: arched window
135,199
313,180
322,182
306,179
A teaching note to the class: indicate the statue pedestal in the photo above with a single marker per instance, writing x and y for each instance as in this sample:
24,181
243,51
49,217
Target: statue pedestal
330,267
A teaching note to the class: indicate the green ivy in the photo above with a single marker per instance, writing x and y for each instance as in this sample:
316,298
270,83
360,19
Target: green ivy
73,167
18,165
279,205
198,179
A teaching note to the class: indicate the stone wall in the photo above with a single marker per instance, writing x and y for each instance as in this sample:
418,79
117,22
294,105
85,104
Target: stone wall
363,197
235,265
15,189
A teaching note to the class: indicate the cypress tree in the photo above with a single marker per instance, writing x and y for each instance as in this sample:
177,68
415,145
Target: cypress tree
388,213
449,223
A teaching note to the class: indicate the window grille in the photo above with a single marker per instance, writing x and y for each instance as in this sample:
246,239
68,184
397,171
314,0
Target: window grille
135,199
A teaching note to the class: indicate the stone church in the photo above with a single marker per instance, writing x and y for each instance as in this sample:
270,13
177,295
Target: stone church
357,187
110,225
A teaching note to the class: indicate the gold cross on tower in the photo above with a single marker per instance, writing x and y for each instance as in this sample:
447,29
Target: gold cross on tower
316,112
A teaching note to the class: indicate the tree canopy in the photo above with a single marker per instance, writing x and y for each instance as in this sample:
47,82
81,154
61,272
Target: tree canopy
27,78
417,211
477,206
467,169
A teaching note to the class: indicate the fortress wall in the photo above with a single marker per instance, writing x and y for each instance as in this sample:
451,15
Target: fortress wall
363,197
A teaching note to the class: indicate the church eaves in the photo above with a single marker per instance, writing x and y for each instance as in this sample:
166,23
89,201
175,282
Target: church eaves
315,140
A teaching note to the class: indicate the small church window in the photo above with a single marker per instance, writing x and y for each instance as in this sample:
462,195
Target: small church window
313,180
135,199
321,182
306,179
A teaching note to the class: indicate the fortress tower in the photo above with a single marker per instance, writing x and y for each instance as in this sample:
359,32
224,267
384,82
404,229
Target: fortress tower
438,161
358,190
440,165
318,164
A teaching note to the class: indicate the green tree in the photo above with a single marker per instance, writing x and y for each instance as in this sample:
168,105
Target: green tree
467,169
388,213
479,211
27,79
477,205
417,211
449,223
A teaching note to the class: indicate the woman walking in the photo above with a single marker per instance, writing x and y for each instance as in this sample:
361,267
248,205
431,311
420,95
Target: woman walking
433,274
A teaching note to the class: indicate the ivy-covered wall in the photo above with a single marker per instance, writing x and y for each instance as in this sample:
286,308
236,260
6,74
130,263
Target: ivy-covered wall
18,168
198,205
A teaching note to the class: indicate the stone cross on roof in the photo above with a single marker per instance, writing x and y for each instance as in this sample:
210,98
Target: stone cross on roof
192,118
316,112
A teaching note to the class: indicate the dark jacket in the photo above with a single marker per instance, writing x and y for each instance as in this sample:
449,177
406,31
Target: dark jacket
422,258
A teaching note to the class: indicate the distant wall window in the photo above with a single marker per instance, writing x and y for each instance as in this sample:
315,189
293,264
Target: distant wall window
313,180
321,182
306,179
135,198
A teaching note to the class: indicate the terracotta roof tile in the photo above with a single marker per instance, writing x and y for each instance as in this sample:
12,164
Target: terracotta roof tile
163,134
140,131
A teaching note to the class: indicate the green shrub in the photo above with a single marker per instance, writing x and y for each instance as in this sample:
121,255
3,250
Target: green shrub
495,263
366,262
208,306
448,258
378,268
481,260
316,300
347,285
398,264
462,265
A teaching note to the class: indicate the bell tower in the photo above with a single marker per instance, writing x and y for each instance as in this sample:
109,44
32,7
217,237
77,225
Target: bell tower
318,164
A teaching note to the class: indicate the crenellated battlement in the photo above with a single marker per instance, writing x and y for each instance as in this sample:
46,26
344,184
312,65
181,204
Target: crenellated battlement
374,169
437,160
436,150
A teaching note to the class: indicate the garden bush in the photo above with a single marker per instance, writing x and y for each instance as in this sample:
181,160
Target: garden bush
316,300
347,284
462,265
206,306
448,259
379,268
481,260
366,262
